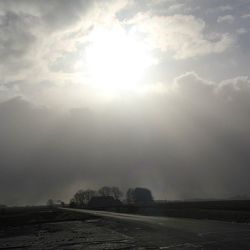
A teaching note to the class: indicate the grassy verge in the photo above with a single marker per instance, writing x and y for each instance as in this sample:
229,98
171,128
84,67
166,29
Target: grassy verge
16,216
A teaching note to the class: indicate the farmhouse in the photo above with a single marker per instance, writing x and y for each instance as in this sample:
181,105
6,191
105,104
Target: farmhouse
99,202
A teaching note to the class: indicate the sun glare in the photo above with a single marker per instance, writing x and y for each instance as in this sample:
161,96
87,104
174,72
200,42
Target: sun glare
116,60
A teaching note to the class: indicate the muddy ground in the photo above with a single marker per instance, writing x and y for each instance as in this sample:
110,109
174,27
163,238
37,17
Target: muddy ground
47,228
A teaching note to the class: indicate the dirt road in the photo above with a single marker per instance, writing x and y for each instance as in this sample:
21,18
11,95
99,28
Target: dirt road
175,233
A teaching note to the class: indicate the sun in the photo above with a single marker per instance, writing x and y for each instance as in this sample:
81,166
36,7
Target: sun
116,59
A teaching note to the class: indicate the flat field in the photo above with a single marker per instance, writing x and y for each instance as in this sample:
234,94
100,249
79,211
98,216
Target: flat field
42,228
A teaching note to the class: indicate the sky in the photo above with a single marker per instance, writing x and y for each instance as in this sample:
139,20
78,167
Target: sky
124,93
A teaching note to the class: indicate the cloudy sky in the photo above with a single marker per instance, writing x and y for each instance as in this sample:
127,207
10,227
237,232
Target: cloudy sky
128,93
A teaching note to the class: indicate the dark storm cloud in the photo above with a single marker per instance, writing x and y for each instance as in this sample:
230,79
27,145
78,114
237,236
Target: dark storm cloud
192,143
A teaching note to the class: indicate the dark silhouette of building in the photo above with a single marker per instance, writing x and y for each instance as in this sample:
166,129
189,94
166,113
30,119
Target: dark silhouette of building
102,202
143,196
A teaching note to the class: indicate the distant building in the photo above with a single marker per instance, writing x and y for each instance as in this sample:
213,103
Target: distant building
143,196
100,202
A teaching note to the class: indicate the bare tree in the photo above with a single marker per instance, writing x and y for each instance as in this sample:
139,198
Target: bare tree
117,193
130,196
72,202
82,197
79,198
89,194
105,191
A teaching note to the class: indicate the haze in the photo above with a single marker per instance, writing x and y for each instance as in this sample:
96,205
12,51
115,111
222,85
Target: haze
124,93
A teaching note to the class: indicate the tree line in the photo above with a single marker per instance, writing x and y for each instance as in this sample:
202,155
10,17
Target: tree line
133,195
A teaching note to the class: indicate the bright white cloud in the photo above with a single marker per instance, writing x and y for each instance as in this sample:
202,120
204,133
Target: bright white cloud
45,45
183,35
